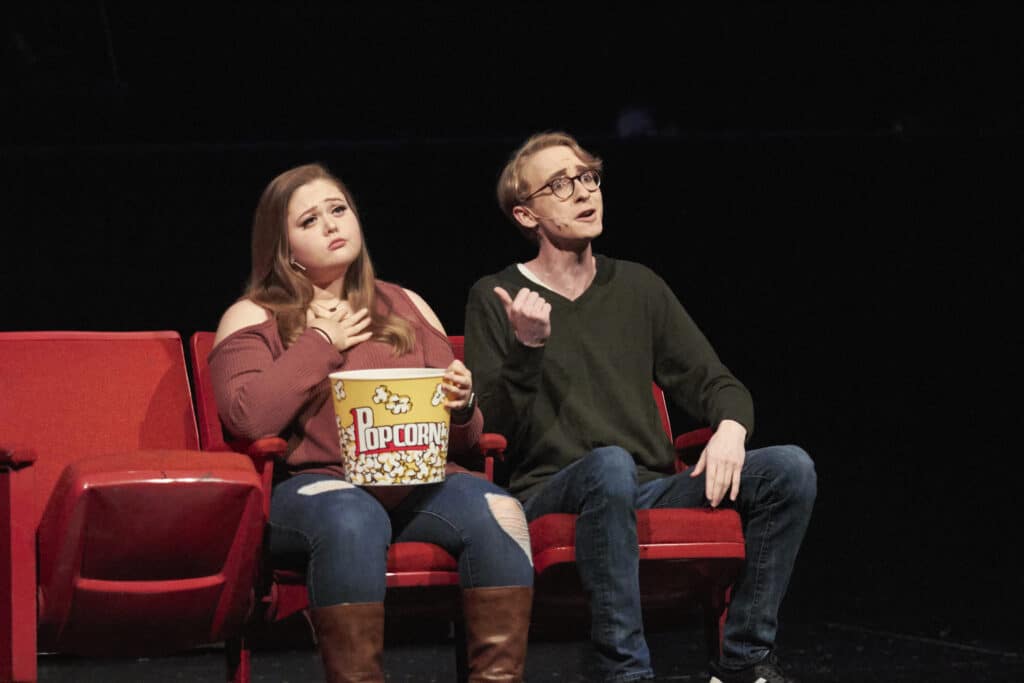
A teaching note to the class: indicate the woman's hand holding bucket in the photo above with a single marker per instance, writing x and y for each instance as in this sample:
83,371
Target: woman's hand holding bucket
458,390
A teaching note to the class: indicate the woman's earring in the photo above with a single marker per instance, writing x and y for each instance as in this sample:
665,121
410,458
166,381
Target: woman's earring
296,265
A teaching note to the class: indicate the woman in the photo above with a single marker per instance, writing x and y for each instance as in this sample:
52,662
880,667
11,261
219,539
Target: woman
312,307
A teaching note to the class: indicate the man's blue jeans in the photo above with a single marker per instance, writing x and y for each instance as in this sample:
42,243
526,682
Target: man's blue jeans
340,534
777,490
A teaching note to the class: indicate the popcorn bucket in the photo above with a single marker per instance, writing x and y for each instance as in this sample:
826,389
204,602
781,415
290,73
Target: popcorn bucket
392,425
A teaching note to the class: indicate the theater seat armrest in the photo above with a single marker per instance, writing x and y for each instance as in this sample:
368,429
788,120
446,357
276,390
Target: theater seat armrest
479,458
689,446
492,444
268,447
264,452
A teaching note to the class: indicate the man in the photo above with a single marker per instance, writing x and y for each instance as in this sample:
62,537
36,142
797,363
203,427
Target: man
564,349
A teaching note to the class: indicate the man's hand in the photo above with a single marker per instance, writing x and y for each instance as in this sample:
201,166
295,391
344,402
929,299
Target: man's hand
723,457
529,314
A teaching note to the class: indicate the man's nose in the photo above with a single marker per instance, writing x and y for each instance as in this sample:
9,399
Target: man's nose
579,192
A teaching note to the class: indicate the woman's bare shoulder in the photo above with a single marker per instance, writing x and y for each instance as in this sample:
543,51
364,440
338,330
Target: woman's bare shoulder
242,313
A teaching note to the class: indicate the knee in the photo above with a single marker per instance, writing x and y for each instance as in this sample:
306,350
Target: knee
611,473
795,471
490,515
509,515
358,522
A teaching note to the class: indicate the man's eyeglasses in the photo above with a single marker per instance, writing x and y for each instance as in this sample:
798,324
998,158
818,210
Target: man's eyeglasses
564,187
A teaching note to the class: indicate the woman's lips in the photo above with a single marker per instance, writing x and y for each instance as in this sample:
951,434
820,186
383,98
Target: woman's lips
337,244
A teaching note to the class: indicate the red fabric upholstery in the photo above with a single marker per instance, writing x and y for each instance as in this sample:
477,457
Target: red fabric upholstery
17,568
211,433
418,557
662,534
409,565
145,545
114,542
70,395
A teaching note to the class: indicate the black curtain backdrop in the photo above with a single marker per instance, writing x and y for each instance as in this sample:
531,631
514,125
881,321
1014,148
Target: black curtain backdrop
833,195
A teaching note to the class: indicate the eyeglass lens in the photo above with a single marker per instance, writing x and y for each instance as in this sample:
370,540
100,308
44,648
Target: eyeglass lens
563,188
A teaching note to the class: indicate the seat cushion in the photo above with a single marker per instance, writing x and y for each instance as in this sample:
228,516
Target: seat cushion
148,551
409,565
668,533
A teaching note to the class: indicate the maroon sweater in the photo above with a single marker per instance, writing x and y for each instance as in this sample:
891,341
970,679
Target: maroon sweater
264,389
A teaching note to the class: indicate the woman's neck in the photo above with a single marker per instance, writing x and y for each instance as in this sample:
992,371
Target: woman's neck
329,289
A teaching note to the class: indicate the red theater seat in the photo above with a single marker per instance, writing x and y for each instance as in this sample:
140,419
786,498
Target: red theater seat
687,557
145,545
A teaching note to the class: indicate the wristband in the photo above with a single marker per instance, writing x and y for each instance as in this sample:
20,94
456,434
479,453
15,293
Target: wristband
466,411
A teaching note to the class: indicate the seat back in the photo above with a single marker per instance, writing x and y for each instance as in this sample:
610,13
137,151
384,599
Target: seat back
211,433
458,342
78,394
659,401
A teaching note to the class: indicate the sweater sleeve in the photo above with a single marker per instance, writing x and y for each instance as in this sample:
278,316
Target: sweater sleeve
507,374
259,395
689,370
464,436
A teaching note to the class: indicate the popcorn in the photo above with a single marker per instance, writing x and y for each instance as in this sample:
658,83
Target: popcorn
394,467
339,390
396,404
438,397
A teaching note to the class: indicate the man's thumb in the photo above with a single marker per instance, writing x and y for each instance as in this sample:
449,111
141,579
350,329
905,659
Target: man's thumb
506,300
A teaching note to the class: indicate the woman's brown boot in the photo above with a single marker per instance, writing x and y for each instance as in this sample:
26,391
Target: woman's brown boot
351,640
497,628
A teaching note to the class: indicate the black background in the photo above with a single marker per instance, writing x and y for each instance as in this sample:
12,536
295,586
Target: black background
833,193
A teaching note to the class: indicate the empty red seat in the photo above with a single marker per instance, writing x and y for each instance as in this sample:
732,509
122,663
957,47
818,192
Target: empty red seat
145,545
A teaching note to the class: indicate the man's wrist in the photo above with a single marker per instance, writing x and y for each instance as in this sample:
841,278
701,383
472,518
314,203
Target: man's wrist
732,426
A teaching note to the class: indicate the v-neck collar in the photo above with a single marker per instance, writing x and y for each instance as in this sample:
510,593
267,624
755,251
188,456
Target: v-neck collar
603,272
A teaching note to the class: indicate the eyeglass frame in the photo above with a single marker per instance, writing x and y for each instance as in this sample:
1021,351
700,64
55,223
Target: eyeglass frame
573,180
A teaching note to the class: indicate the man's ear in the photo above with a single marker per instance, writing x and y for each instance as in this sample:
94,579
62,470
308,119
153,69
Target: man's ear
524,216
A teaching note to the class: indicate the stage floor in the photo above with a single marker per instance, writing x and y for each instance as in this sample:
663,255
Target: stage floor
814,653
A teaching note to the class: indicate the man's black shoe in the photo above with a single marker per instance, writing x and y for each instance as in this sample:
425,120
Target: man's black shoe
767,670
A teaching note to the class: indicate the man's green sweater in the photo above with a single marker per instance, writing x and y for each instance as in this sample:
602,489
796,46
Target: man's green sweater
590,384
